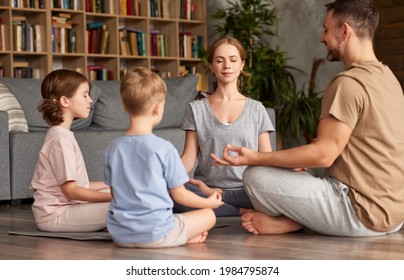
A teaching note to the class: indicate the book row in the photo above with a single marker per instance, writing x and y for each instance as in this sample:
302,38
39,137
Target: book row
132,42
97,37
34,4
27,37
66,4
190,45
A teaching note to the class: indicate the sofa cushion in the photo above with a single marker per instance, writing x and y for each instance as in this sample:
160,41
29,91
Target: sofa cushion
9,104
109,113
180,91
20,87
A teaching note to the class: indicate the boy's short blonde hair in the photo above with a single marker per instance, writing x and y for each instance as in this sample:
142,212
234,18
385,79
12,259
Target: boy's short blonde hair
140,89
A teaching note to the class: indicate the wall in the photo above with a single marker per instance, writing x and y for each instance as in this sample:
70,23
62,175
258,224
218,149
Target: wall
299,30
389,37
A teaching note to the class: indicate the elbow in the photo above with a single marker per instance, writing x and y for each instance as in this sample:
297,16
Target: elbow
69,190
69,195
178,198
189,164
325,161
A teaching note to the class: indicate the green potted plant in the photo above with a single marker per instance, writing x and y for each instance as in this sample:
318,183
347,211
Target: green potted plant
300,112
252,23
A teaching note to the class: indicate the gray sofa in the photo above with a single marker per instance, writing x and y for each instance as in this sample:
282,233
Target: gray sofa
19,150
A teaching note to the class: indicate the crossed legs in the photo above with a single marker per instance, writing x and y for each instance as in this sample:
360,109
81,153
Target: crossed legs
286,200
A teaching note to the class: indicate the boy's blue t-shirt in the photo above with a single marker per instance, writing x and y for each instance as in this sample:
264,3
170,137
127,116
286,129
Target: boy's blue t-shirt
140,169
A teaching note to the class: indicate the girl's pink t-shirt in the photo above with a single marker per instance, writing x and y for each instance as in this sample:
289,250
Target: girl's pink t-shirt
60,160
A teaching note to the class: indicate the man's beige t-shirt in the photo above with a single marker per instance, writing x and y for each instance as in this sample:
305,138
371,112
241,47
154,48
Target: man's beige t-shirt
368,98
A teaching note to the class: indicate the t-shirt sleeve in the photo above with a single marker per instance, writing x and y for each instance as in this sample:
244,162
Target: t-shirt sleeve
174,170
107,167
264,122
62,159
343,100
188,122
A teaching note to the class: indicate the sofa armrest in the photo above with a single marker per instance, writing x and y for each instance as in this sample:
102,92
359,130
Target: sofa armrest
271,113
4,157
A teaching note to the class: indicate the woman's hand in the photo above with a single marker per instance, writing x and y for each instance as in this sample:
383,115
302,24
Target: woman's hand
203,187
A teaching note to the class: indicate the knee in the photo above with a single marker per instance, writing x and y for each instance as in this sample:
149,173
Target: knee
248,174
210,214
252,177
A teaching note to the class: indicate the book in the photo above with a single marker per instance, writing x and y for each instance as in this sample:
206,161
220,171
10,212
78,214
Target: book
89,41
153,12
62,40
161,45
95,32
38,38
2,37
136,7
132,43
18,19
20,64
22,72
129,8
123,7
66,25
122,42
141,42
94,25
104,42
110,6
185,44
165,8
154,42
72,41
17,35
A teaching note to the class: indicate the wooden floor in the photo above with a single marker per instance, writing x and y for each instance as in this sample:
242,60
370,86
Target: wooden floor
229,242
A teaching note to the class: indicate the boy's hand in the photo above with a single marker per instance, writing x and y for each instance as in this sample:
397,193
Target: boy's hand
215,200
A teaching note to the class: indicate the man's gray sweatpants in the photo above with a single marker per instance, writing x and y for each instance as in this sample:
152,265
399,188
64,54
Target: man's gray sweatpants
312,198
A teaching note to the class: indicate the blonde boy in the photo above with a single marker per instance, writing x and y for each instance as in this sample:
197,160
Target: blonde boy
145,173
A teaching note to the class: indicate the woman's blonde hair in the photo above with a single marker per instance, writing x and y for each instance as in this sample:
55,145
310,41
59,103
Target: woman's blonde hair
229,41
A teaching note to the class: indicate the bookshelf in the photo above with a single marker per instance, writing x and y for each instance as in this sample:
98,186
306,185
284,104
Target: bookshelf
102,38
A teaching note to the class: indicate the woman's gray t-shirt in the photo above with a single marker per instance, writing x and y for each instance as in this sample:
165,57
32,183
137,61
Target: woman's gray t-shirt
213,136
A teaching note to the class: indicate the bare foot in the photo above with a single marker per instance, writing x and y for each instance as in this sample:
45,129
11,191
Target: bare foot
246,210
199,238
259,223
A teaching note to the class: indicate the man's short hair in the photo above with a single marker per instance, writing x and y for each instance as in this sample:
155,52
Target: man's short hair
362,15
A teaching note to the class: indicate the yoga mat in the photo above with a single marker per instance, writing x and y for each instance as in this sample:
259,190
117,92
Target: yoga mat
69,235
100,235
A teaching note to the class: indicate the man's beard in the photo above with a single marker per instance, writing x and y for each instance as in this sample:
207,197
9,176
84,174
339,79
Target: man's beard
335,53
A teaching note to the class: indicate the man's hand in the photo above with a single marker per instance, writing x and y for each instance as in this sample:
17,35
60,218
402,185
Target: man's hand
244,156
